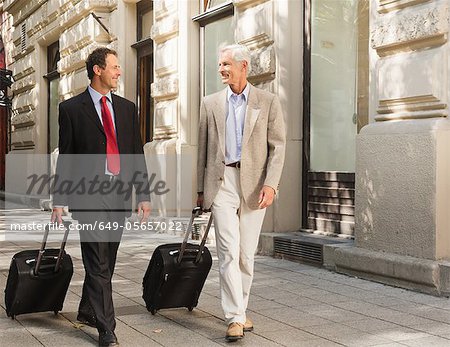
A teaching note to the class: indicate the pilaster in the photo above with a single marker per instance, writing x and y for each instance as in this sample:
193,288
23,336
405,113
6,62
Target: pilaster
402,169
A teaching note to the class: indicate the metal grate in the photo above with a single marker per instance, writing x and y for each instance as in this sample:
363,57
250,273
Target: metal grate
298,250
23,37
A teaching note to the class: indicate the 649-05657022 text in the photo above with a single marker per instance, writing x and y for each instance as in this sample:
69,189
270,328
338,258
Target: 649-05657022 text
156,226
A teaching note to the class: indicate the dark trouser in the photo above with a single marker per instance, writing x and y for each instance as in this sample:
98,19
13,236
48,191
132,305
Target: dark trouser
99,253
99,259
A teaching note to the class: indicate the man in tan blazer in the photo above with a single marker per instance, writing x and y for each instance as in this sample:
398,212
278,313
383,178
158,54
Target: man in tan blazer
240,159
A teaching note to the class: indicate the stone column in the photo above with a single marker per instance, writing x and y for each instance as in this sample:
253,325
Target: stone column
171,155
402,229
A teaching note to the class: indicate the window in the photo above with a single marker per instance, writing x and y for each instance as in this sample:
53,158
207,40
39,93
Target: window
144,19
52,77
144,49
339,64
215,30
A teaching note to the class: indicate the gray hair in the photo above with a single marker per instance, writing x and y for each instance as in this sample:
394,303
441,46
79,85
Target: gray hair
238,53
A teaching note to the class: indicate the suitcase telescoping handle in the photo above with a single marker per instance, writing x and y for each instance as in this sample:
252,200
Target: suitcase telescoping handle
44,243
197,211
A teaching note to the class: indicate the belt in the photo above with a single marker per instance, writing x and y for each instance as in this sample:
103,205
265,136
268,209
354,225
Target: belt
236,164
111,178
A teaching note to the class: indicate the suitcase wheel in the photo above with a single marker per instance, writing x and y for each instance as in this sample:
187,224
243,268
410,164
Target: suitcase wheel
190,308
55,312
13,317
152,311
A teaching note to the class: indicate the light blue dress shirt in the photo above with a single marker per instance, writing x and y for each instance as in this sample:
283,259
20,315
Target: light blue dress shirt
235,120
97,99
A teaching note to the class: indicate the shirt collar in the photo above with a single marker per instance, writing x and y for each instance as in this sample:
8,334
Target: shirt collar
96,96
244,92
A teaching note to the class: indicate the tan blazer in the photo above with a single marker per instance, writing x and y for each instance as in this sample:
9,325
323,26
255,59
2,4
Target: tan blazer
263,145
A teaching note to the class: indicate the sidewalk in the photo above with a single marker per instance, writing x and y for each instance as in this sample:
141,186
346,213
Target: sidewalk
291,305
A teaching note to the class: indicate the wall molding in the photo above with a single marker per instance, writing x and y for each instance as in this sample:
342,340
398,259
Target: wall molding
408,32
411,104
24,119
165,88
163,8
245,4
385,6
164,29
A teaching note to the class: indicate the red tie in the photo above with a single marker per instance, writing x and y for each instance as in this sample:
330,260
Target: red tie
112,151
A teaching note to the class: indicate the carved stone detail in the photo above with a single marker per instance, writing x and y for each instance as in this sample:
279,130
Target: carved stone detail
87,31
78,11
164,29
164,8
262,65
23,137
76,60
38,20
27,82
73,83
410,27
166,119
25,101
166,57
25,118
385,6
25,10
24,66
255,22
165,87
406,95
244,4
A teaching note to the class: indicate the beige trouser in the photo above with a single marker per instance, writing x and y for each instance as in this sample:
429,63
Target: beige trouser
237,232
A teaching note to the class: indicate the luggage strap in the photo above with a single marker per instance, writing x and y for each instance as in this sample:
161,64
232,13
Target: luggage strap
197,211
44,243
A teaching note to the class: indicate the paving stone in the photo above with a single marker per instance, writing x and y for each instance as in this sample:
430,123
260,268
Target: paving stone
266,323
360,340
434,341
408,320
264,304
172,334
288,336
333,313
249,340
19,337
399,334
211,327
67,339
295,318
331,330
291,305
435,328
391,344
371,325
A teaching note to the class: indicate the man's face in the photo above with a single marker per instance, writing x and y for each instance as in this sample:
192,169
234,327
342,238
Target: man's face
231,71
109,76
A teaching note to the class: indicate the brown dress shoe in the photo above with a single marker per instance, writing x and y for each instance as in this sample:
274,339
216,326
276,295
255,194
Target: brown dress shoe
235,332
248,326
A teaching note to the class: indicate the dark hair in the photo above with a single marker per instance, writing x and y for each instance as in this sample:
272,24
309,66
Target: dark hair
97,57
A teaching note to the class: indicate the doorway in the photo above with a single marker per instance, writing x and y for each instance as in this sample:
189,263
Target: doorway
336,107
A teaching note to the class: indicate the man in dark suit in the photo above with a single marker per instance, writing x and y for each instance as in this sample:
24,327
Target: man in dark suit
100,146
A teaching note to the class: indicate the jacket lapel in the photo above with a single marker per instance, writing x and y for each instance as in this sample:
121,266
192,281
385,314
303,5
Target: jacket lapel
89,109
251,115
219,112
119,115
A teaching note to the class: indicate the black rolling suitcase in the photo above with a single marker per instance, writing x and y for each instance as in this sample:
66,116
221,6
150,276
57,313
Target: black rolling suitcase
38,279
177,272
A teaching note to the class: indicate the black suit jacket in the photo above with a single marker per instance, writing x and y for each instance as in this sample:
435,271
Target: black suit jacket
82,155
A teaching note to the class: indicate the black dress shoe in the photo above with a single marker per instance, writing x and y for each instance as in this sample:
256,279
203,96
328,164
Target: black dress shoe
87,319
107,338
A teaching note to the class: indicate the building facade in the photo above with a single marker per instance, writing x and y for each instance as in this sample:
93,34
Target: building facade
362,83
